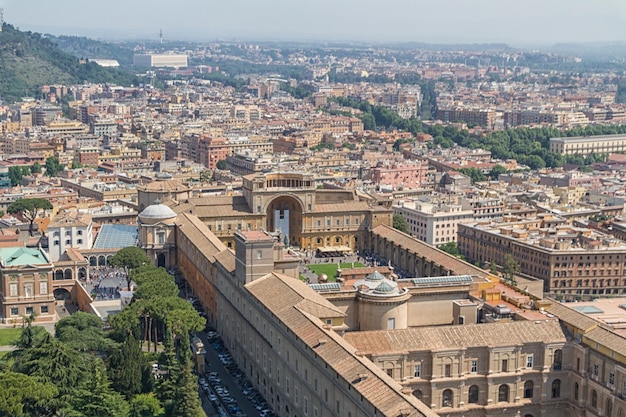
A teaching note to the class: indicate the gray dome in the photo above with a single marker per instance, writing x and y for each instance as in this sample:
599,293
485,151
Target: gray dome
157,211
385,287
375,276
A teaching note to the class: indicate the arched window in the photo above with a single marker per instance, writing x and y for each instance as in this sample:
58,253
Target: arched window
528,389
472,396
67,274
594,399
609,408
620,412
418,394
58,274
556,388
576,391
446,399
558,359
503,393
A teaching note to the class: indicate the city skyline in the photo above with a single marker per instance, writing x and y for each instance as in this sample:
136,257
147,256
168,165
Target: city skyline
454,21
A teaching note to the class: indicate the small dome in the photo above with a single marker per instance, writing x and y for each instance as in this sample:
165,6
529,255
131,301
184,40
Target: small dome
157,211
375,276
322,278
385,287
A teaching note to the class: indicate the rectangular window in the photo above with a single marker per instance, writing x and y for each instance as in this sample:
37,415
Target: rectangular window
44,309
259,254
295,395
391,323
529,361
505,365
15,311
80,241
417,371
474,367
29,311
68,242
13,289
611,378
306,406
161,238
447,371
596,369
28,290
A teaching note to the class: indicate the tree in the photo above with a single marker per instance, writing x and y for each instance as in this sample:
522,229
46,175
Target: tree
452,249
53,166
29,208
83,331
21,395
475,174
399,223
510,268
493,268
145,405
221,164
129,258
15,175
98,399
35,168
496,171
127,366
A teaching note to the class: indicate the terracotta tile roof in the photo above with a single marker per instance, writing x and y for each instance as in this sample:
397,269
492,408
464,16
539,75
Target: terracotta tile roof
347,206
572,317
191,227
608,338
293,303
456,337
454,265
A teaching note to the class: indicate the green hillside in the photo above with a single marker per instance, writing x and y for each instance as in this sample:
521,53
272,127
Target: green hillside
29,60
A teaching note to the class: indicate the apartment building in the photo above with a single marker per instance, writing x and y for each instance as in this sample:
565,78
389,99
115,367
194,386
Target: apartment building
405,175
433,223
573,262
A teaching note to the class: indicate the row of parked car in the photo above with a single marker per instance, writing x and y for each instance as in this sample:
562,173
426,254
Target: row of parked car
243,382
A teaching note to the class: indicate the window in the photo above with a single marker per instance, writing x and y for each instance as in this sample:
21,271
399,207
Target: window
161,238
608,410
28,290
474,366
528,389
44,309
15,311
558,359
594,399
67,242
417,371
447,370
80,241
503,393
576,391
446,398
13,289
391,323
43,288
529,361
68,233
306,406
390,372
505,365
472,396
596,369
29,311
611,378
556,388
259,254
56,243
80,233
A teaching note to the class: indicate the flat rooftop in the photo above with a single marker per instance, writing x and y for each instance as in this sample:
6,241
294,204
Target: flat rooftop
611,311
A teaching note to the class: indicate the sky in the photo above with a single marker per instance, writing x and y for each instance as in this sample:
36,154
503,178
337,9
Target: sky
516,22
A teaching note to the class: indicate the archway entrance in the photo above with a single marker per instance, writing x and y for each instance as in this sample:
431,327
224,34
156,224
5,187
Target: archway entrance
62,294
284,215
161,260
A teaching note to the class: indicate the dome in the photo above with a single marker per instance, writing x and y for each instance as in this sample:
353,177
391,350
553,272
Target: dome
157,211
386,287
375,276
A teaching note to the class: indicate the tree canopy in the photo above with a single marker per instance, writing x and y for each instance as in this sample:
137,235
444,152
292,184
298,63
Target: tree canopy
399,223
29,208
130,257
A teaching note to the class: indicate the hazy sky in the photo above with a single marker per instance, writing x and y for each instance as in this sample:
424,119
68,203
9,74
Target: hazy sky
517,22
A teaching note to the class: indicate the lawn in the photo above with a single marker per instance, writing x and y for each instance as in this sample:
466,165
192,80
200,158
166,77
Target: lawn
9,336
331,269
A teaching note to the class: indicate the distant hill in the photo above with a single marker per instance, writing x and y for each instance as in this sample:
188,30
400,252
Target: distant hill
83,47
29,60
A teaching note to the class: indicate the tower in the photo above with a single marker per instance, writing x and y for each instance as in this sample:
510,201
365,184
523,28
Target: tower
1,18
161,35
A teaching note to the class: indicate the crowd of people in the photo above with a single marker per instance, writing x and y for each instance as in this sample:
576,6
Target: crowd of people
106,282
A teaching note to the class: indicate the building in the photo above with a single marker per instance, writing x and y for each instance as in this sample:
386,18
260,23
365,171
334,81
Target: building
26,284
160,60
69,230
433,223
573,262
584,145
407,175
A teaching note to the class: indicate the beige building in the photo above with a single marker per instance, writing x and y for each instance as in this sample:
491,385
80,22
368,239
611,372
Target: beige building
584,145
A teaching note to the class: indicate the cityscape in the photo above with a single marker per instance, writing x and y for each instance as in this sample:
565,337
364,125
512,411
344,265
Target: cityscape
311,228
